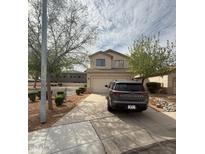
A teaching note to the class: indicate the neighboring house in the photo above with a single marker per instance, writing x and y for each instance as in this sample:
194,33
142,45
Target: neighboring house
105,67
71,77
168,81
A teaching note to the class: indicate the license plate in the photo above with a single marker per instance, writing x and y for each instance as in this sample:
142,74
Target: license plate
131,107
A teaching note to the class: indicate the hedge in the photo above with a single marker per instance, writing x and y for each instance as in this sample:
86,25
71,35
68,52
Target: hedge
39,94
78,91
60,93
32,95
60,84
82,89
59,99
153,87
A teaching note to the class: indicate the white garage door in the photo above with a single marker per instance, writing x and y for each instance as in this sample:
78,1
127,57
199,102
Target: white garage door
98,84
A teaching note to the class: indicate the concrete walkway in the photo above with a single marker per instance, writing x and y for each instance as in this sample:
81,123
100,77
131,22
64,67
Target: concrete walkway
171,114
91,129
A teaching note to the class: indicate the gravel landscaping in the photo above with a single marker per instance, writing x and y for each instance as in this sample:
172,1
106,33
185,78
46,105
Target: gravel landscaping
163,103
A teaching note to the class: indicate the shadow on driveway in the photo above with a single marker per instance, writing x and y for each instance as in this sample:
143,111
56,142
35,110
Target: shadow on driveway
154,122
91,125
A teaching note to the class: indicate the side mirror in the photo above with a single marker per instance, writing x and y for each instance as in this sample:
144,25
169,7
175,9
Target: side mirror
106,86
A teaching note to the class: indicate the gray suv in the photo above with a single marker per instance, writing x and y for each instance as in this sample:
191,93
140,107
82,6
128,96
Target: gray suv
129,95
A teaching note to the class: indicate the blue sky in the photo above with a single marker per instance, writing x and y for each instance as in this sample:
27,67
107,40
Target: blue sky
120,22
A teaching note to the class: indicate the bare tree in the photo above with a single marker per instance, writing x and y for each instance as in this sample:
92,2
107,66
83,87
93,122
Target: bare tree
69,31
34,67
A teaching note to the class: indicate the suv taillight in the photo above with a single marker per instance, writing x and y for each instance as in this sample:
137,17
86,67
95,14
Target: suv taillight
115,93
145,94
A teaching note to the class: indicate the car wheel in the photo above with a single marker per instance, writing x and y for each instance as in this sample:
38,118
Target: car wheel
109,108
142,109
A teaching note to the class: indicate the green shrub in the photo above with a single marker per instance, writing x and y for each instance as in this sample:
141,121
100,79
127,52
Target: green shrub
60,84
163,91
39,94
32,95
59,99
78,91
85,85
153,87
82,89
54,84
60,93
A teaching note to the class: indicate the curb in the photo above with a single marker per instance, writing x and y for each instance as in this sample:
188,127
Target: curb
147,147
155,108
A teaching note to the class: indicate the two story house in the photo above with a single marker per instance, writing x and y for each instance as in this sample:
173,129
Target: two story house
106,66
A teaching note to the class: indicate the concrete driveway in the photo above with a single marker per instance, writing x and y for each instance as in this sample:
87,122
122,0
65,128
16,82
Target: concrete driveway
91,129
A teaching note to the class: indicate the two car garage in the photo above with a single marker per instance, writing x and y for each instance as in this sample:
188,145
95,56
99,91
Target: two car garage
97,82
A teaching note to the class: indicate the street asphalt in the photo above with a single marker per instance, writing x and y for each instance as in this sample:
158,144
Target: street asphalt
90,129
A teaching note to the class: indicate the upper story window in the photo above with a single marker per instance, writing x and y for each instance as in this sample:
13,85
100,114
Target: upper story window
118,63
100,62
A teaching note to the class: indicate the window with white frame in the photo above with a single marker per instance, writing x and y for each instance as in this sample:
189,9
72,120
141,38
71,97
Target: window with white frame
118,63
100,62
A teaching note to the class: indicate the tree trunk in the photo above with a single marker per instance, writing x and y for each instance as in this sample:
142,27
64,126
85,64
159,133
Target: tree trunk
35,81
57,78
143,80
50,103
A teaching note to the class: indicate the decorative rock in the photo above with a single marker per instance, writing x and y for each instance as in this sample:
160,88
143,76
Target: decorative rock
158,105
164,104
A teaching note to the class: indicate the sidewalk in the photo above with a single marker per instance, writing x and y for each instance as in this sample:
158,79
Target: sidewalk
73,138
67,136
171,114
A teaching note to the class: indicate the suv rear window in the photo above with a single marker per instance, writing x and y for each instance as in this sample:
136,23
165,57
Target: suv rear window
129,87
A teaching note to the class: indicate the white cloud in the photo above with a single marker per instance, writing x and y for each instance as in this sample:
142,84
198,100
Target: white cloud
123,21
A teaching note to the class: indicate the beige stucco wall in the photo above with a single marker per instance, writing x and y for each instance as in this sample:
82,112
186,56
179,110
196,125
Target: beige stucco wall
119,57
172,83
115,56
100,56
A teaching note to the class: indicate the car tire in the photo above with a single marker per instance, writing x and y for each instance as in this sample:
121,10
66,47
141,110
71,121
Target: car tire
109,108
142,109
